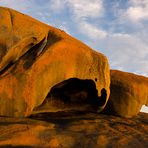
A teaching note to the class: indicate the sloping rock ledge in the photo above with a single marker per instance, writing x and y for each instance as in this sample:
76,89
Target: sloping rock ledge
74,130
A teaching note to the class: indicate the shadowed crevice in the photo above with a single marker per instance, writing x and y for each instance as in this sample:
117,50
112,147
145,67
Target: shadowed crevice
74,94
11,18
79,91
103,97
34,52
10,64
75,90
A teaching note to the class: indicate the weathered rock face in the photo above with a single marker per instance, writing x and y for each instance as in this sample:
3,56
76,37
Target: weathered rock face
35,57
74,131
128,93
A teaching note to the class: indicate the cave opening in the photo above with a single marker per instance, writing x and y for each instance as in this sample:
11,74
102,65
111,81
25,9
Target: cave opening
77,92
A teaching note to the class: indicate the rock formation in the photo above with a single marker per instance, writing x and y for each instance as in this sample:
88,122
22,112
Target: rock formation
74,131
35,57
59,84
128,93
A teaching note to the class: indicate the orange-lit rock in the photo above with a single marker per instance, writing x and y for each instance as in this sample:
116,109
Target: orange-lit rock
128,93
34,57
74,131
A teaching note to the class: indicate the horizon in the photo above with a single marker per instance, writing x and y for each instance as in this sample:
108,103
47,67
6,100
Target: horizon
118,29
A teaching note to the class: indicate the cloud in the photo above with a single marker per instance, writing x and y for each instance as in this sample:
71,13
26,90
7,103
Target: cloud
91,31
125,52
57,5
138,10
137,13
86,8
22,5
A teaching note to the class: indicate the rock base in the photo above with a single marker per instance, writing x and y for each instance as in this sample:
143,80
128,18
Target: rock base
71,130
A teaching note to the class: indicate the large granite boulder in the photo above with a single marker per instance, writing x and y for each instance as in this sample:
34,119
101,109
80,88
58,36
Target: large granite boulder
36,58
74,131
128,93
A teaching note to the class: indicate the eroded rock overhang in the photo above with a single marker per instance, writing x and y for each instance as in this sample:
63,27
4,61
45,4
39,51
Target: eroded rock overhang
36,57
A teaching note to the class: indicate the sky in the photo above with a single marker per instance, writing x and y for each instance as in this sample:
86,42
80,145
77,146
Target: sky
117,28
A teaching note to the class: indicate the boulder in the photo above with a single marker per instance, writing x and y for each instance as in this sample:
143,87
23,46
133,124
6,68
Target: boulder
58,130
128,93
35,57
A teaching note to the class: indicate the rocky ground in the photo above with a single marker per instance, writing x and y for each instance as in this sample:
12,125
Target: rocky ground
74,130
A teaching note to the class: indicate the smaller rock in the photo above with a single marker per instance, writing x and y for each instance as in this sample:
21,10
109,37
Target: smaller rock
128,93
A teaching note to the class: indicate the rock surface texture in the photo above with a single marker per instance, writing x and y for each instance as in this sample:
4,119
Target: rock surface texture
35,57
74,131
128,93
